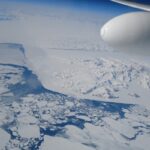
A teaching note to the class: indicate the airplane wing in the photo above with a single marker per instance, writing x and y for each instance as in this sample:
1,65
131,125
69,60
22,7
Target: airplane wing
133,4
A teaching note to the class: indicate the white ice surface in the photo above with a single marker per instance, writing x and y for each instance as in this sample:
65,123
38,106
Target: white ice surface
116,133
29,131
12,54
4,138
58,143
26,119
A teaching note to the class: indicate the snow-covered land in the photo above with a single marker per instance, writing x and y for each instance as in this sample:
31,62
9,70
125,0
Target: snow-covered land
63,90
95,75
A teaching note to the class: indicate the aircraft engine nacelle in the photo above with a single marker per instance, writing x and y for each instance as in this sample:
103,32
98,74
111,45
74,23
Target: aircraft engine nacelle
129,31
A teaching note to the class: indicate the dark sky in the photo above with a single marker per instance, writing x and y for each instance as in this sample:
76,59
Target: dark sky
96,5
77,2
80,1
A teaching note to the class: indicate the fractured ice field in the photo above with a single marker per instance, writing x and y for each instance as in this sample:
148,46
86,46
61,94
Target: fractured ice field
33,117
62,90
